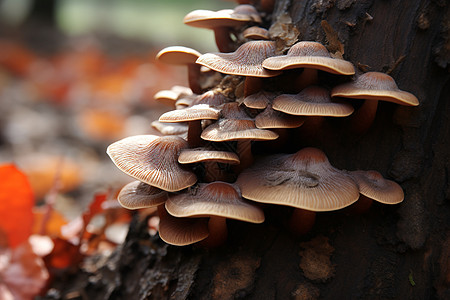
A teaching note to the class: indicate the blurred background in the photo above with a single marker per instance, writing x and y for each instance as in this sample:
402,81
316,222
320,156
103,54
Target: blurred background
77,75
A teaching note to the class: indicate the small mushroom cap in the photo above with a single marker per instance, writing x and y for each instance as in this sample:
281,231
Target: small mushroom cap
256,33
235,125
374,186
181,231
311,101
214,199
192,113
180,129
136,195
311,55
238,16
245,61
152,160
271,118
375,86
212,98
259,100
169,97
195,155
178,55
303,180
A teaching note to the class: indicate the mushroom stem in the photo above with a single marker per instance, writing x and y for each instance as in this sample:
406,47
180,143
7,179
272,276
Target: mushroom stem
244,150
307,78
194,132
194,78
361,206
218,232
361,120
252,85
223,39
301,221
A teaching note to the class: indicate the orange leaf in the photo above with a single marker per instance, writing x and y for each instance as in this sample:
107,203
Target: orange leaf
16,203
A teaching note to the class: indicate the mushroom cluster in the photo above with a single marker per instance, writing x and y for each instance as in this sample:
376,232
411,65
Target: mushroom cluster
202,169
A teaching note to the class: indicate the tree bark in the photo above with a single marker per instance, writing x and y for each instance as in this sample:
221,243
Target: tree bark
390,252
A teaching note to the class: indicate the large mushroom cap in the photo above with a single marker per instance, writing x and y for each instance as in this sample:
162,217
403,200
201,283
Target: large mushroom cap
152,160
195,155
245,61
374,186
136,195
238,16
214,199
178,55
303,180
375,86
310,55
311,101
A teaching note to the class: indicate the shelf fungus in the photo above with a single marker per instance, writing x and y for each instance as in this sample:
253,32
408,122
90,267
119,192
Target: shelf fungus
223,148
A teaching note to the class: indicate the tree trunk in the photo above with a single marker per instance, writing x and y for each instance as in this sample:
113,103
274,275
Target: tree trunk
390,252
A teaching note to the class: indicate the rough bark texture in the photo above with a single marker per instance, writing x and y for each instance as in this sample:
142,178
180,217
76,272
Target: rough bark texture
391,252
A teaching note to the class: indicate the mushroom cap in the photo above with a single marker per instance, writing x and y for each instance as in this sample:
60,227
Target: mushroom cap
178,55
169,97
238,16
192,113
212,98
214,199
137,195
256,33
235,125
311,101
375,86
311,55
245,61
152,160
271,118
181,231
180,129
259,100
374,186
303,180
195,155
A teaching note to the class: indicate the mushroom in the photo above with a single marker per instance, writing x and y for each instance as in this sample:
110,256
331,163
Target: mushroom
136,195
153,160
235,125
372,87
179,129
373,186
218,201
212,160
169,97
259,100
222,22
179,55
304,180
245,61
194,116
313,102
256,33
311,56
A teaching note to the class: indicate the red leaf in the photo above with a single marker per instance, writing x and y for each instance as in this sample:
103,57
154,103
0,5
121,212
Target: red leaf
16,203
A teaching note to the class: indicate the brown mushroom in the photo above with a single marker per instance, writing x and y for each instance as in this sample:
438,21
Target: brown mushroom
222,22
372,87
217,201
169,97
256,33
303,180
136,195
179,55
311,56
152,160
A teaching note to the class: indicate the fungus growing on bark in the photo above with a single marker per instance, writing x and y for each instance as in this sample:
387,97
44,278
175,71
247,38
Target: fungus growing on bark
179,55
311,56
152,160
256,33
223,22
136,195
372,87
304,180
217,201
194,116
